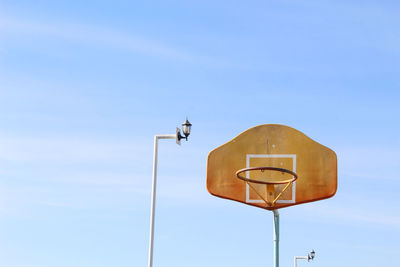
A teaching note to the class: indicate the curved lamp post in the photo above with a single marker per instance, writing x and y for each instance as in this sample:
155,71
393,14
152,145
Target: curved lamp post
186,128
309,257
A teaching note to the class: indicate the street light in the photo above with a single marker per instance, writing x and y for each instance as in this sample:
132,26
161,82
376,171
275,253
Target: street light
309,257
186,128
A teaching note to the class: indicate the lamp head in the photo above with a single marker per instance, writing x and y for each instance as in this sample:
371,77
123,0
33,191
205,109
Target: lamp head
311,255
186,127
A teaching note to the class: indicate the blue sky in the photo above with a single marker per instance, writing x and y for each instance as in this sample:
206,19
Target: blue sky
84,87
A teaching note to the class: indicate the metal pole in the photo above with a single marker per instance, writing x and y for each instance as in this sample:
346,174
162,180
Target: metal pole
295,260
276,238
153,193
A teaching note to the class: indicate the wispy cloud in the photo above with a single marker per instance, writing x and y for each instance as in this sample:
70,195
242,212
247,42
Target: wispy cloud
77,191
369,162
67,149
352,213
69,171
113,38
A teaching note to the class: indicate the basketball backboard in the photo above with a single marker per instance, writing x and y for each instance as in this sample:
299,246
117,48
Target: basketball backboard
276,147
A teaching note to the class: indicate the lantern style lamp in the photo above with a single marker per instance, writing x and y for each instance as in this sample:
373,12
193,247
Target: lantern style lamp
186,127
311,255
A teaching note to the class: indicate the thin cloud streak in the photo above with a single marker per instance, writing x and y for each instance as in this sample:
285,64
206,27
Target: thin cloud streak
350,214
91,34
67,149
81,192
95,35
371,163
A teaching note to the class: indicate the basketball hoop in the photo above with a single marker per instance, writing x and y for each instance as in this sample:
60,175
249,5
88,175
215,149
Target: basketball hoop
270,201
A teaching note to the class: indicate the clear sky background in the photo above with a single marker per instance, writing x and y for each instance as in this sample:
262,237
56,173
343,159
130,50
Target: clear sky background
85,86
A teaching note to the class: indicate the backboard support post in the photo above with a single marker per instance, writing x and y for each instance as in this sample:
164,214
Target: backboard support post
276,238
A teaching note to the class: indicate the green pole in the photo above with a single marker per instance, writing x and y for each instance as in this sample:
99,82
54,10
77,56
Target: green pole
276,238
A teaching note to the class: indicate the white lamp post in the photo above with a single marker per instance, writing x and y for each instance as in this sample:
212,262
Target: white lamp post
186,127
309,257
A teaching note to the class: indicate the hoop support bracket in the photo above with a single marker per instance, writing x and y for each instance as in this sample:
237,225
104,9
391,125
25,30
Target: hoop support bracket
248,181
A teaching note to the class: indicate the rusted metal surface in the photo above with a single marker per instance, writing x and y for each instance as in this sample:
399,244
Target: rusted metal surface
275,146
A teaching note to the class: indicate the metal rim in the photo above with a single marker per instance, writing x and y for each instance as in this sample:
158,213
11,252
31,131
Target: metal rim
266,168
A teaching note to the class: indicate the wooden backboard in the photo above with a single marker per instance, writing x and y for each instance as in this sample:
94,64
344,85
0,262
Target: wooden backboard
273,145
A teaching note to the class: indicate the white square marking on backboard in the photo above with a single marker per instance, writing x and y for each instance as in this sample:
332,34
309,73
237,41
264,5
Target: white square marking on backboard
249,156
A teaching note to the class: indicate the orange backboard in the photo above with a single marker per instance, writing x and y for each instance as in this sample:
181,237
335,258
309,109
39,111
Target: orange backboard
272,145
